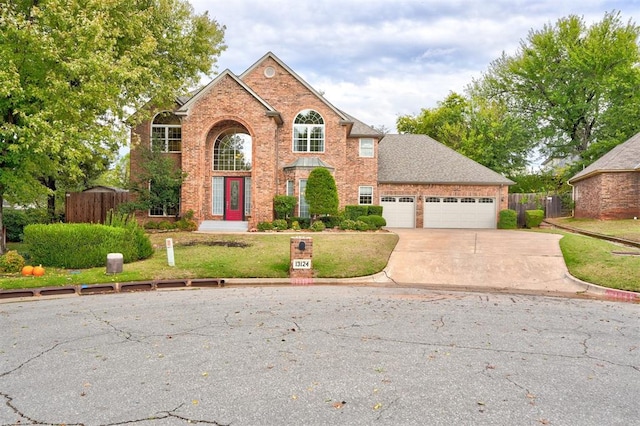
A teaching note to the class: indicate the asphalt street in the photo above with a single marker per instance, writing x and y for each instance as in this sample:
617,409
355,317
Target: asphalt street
319,355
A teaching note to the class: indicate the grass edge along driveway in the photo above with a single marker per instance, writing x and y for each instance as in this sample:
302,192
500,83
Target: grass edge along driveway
249,255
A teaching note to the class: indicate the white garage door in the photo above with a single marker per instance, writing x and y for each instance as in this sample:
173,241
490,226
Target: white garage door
459,212
399,212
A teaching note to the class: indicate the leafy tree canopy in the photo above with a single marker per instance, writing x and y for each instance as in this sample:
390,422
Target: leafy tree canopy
480,128
72,69
576,85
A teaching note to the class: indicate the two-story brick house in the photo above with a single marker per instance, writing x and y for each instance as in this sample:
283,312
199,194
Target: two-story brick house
243,139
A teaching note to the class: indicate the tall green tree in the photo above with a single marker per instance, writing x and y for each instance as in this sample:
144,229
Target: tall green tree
482,129
576,85
321,192
71,69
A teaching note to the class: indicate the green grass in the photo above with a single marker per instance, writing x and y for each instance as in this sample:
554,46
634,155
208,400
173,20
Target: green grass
336,255
626,228
594,260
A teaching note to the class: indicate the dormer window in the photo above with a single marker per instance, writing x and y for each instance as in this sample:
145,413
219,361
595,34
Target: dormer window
166,133
308,132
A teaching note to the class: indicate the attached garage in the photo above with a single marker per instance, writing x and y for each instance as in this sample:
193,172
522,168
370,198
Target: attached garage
425,184
399,212
459,212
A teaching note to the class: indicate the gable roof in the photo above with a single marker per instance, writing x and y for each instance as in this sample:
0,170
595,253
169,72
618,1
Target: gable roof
623,158
419,159
186,106
356,127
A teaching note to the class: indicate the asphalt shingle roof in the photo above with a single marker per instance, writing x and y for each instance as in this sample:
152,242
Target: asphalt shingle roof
623,157
422,160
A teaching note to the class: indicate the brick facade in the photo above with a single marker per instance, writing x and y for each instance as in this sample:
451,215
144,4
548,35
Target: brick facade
263,103
608,195
499,192
228,104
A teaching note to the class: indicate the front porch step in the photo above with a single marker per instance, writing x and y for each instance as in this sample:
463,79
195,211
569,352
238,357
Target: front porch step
223,226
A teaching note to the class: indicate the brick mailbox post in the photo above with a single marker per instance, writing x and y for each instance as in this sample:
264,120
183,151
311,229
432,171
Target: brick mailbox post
301,267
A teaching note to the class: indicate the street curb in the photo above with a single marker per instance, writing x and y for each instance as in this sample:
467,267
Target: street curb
610,293
108,288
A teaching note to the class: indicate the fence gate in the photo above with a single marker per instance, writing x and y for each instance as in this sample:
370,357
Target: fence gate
550,204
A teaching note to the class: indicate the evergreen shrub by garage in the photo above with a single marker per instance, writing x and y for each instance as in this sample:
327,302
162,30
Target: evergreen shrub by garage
508,219
353,212
374,221
82,245
533,218
374,211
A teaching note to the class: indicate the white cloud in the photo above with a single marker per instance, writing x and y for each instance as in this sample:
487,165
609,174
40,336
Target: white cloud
378,59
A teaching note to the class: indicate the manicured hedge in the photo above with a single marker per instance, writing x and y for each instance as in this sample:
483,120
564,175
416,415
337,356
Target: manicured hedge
83,245
533,218
508,219
374,221
353,212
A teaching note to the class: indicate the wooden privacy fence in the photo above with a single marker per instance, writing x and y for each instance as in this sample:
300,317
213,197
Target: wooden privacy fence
550,204
92,207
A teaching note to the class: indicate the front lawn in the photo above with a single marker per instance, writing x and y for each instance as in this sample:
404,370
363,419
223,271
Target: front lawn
601,262
336,255
628,229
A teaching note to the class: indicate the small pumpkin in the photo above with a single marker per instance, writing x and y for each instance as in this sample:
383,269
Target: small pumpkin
38,271
27,270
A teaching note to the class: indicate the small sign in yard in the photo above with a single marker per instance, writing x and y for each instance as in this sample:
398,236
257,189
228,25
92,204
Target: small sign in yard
170,258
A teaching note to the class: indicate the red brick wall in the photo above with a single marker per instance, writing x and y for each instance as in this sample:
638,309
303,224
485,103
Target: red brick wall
500,193
608,196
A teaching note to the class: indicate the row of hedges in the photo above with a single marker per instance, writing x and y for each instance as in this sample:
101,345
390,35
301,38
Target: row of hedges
362,223
83,245
509,219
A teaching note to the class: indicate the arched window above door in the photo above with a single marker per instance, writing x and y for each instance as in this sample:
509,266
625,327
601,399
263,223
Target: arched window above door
232,151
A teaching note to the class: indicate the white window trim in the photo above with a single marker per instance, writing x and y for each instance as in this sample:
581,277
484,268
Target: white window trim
362,149
309,128
165,133
361,194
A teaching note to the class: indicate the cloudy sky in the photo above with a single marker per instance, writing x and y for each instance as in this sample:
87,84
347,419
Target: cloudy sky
378,59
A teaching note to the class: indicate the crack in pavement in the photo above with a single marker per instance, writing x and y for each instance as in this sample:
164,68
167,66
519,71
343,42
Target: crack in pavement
494,350
23,416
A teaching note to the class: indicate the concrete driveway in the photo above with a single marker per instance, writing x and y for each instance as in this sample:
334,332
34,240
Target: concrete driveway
480,258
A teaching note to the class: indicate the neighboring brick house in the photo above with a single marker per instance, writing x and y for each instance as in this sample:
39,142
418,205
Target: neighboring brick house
610,187
244,139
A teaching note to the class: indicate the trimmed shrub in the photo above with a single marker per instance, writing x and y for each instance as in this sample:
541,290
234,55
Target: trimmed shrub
354,212
374,221
295,225
321,192
151,225
264,226
166,225
144,248
508,219
318,226
348,225
78,245
361,226
11,262
304,222
280,225
283,206
331,221
375,211
186,222
533,218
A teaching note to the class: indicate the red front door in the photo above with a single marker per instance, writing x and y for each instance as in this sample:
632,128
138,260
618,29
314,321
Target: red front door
234,198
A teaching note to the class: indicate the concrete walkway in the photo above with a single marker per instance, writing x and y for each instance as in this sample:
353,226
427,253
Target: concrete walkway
482,258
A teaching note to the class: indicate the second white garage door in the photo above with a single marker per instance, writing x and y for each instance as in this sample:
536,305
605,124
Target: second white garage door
399,212
459,212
